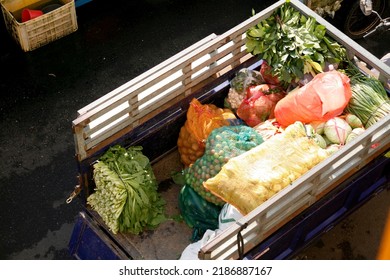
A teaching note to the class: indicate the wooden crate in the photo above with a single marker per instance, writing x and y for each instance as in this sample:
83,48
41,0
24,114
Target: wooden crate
42,30
113,116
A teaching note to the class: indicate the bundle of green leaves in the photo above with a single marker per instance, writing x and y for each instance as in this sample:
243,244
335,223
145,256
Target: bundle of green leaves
126,194
293,44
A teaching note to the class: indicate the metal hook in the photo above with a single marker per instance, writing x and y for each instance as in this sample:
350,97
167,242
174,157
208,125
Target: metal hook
75,192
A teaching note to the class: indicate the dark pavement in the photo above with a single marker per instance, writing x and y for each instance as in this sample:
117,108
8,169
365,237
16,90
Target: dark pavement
41,91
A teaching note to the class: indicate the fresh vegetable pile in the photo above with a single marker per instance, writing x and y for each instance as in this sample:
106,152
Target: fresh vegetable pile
304,103
293,45
126,194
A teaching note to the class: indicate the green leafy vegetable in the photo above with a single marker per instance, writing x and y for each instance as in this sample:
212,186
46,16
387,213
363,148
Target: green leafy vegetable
126,194
369,101
293,45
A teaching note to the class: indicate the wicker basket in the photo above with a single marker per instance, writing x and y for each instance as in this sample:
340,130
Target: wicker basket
42,30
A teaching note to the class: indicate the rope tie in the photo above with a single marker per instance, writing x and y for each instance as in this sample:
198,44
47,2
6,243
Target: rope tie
240,241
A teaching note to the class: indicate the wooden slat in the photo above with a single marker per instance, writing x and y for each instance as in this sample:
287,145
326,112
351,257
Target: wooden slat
218,55
136,103
188,74
122,97
218,68
117,96
134,89
130,122
134,106
107,123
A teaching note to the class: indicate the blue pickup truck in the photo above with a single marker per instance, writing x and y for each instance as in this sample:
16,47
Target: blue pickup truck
150,110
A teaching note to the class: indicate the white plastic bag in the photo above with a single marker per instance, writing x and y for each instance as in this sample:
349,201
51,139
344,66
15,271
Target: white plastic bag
192,250
228,216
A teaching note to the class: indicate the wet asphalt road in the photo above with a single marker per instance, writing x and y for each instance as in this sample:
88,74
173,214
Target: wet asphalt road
41,91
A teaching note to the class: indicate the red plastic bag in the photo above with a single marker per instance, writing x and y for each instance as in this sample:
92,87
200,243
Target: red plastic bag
321,99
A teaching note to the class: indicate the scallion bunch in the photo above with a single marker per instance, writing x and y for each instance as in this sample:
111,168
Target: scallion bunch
369,101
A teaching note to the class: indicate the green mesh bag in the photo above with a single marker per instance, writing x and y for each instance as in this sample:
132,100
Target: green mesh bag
198,213
222,144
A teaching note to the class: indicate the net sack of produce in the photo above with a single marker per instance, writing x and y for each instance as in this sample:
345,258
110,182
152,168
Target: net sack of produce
321,99
222,144
126,194
251,178
238,86
198,213
201,120
259,103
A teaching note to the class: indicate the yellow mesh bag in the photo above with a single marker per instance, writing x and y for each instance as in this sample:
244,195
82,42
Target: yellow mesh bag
201,120
251,178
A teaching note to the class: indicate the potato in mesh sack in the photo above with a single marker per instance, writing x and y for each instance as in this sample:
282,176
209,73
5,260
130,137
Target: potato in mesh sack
251,178
222,144
201,120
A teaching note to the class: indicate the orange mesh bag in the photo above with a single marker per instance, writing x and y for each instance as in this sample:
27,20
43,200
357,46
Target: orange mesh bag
321,99
201,120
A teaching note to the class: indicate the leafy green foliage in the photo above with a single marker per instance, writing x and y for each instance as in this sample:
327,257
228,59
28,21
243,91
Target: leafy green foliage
293,44
126,194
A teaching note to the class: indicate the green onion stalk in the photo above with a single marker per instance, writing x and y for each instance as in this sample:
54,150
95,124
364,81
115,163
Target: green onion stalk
369,101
